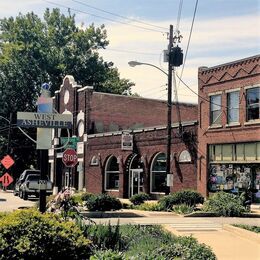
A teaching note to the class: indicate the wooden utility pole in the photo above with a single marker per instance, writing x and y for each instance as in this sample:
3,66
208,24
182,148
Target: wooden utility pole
169,116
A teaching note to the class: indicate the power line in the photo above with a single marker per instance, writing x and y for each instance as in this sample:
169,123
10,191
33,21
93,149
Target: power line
120,16
188,44
106,18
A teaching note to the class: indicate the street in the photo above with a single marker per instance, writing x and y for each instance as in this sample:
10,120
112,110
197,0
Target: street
9,202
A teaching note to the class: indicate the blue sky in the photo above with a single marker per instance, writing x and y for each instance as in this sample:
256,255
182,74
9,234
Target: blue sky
224,30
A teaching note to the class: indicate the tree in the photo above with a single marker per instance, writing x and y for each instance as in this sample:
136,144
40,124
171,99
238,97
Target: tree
34,51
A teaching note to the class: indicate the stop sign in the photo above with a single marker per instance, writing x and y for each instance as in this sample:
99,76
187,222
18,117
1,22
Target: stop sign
70,158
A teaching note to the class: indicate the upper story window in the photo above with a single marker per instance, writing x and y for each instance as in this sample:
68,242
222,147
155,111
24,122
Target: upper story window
215,110
253,103
233,107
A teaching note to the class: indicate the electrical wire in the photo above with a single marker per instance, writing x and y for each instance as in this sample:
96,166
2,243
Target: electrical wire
120,16
188,44
106,18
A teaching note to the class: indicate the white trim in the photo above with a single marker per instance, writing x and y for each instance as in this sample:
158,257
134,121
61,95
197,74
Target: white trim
233,124
252,86
81,159
85,88
252,122
51,161
215,93
215,126
232,90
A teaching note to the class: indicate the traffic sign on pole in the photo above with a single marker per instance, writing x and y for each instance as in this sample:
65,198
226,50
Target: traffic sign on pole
69,157
7,161
6,179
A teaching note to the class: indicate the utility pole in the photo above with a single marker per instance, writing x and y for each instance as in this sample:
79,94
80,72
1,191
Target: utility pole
169,115
9,133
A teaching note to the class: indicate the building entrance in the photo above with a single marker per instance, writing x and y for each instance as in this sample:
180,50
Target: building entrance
135,181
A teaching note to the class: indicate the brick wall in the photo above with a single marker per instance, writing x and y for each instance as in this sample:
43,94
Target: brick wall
235,75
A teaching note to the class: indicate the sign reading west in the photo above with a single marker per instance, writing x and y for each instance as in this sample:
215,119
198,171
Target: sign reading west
44,120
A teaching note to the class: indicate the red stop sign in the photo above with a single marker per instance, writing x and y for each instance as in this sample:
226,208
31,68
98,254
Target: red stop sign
70,158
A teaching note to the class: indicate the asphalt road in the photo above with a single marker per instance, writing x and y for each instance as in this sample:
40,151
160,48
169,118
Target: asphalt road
9,202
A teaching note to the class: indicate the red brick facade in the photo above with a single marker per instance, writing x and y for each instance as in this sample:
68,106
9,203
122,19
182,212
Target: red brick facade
221,80
99,119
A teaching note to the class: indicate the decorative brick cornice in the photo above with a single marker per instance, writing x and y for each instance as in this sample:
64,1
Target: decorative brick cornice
230,71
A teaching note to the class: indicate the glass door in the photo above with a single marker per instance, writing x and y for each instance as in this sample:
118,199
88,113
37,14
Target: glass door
135,182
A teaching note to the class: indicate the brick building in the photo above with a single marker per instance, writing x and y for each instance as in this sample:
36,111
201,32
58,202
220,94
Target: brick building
121,143
229,126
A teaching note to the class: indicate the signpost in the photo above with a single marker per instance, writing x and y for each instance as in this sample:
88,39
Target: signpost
7,179
70,159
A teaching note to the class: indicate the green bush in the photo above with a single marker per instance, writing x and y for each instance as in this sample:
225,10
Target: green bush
103,202
224,204
140,198
183,209
27,234
86,195
188,197
255,229
104,237
149,206
186,248
108,254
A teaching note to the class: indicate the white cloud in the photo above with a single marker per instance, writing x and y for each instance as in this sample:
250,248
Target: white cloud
213,42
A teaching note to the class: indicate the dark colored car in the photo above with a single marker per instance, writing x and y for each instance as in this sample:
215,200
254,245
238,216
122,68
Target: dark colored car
22,179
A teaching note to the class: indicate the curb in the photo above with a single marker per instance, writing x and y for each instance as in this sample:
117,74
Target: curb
242,232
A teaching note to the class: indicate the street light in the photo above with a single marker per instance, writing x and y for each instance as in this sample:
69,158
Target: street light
136,63
169,114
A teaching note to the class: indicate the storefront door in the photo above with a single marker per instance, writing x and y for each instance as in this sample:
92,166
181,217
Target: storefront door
135,182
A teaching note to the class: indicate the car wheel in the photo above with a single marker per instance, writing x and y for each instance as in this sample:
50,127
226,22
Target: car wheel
25,195
21,194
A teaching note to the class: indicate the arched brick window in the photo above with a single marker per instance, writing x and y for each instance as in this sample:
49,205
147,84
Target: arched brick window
112,174
158,173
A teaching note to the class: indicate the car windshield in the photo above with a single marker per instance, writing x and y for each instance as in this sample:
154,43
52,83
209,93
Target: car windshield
33,177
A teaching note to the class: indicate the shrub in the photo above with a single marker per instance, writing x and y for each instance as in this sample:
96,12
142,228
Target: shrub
186,248
86,195
140,198
188,197
255,229
104,237
27,234
183,209
103,202
108,254
224,204
150,206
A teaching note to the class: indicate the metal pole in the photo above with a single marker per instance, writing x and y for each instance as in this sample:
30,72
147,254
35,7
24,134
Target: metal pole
44,170
169,104
9,134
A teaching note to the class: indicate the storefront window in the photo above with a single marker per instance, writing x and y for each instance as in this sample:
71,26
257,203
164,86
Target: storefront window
233,107
250,152
253,103
112,174
215,110
158,173
227,152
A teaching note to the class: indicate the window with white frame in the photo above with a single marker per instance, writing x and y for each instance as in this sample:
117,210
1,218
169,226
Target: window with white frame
253,103
233,107
112,174
215,110
158,173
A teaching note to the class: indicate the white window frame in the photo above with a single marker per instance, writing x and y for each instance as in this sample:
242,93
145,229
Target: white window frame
106,172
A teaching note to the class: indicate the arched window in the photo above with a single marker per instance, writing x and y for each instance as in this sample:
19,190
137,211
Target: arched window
112,174
185,156
158,173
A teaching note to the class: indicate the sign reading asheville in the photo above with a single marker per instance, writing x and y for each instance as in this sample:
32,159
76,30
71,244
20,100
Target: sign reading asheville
44,120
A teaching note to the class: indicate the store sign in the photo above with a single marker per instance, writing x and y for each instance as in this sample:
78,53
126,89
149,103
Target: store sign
127,142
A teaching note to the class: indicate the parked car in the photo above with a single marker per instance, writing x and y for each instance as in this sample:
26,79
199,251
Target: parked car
31,186
22,179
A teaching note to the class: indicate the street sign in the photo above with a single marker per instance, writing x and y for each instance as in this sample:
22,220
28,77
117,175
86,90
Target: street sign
70,158
72,142
6,179
7,161
44,120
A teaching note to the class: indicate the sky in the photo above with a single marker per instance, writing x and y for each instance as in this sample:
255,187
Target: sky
223,31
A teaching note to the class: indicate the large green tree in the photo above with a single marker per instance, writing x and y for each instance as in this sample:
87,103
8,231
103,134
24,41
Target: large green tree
34,51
